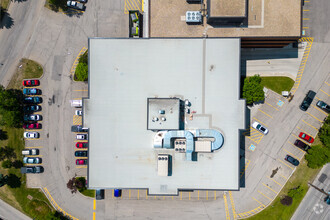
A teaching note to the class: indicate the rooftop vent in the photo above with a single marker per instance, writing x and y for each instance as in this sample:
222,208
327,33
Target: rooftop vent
193,17
161,111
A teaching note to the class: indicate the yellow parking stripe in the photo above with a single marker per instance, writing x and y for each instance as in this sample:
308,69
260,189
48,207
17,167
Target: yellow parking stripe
305,132
269,188
138,194
314,117
180,195
319,110
226,206
324,92
283,176
232,205
293,154
75,63
207,195
197,194
305,19
271,106
285,164
34,147
310,125
265,113
265,195
215,195
275,181
94,204
259,121
258,202
146,194
327,83
297,147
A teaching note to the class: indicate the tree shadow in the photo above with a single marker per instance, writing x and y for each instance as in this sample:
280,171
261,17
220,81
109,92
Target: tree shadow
19,1
17,164
74,13
5,19
3,135
13,181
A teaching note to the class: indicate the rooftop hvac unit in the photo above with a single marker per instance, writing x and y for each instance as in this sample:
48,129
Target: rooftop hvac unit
193,17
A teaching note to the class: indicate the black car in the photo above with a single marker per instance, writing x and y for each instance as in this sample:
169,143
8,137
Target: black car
32,100
292,160
78,128
99,194
324,106
307,100
32,108
80,153
301,145
30,169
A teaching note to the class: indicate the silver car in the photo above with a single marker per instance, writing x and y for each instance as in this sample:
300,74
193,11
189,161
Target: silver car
29,134
35,160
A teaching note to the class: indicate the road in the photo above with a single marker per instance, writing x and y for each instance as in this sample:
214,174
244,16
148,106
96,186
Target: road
7,212
313,205
54,40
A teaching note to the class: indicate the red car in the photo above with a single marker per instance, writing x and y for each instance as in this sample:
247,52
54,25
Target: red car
81,162
81,145
306,137
31,82
32,126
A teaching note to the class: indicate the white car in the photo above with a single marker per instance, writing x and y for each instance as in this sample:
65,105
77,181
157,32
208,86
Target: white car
35,160
78,112
259,127
28,134
82,136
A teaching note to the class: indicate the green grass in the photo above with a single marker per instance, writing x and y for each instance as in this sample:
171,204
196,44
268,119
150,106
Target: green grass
27,69
4,4
60,7
88,192
36,206
276,210
277,83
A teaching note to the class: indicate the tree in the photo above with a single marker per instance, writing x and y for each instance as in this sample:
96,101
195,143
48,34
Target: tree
252,89
55,5
287,200
17,164
81,72
324,133
13,181
56,216
71,185
84,58
7,164
317,156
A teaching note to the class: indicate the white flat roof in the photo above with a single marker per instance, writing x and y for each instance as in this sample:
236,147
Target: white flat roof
123,73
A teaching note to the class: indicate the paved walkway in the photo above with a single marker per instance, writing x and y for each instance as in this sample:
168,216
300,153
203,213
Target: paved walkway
8,212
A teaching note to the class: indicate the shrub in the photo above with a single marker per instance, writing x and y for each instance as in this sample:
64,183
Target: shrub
7,164
287,200
81,72
84,58
317,156
252,89
324,133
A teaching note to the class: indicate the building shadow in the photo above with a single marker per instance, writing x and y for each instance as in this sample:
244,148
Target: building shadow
242,149
5,20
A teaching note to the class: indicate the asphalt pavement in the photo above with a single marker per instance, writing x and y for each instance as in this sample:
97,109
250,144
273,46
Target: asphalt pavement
7,212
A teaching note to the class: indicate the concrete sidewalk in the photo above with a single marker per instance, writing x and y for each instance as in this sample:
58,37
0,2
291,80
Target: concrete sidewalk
8,212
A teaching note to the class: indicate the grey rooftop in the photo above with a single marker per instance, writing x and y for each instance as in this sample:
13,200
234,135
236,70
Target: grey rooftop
124,74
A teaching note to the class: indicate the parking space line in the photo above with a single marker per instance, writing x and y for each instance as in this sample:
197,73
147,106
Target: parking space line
297,147
319,110
275,181
305,10
34,155
327,83
305,132
283,176
305,27
226,206
215,195
264,195
189,195
32,139
285,164
94,204
34,147
269,188
138,195
93,215
259,121
146,194
271,106
305,19
80,90
265,113
314,117
310,125
324,92
259,202
245,167
317,98
293,154
129,194
75,63
207,195
232,204
197,194
180,195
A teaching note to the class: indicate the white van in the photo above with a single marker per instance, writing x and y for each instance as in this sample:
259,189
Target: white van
76,103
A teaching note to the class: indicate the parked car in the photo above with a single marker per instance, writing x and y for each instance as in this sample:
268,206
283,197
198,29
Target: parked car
82,136
32,91
99,194
307,100
81,144
78,128
32,117
35,160
117,193
324,106
81,162
291,160
76,5
80,153
30,152
31,82
78,112
31,134
82,1
32,126
259,127
301,145
306,137
29,169
32,108
32,100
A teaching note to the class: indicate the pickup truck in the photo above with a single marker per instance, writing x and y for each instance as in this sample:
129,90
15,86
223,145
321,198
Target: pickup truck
76,5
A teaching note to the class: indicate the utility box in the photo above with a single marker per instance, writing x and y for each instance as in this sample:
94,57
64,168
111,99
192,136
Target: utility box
162,164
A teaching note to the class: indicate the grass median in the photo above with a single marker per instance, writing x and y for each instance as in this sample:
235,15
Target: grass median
277,83
29,201
299,179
